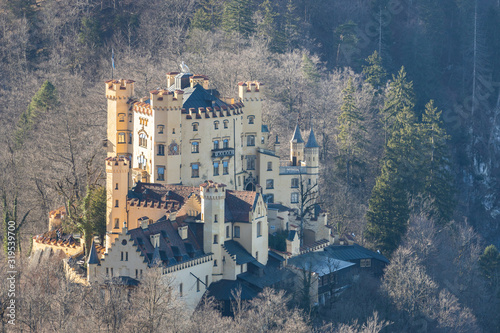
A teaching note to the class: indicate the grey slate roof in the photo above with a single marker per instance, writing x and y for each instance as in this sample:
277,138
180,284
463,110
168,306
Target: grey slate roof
311,142
278,207
297,137
223,290
93,258
353,252
242,255
319,262
200,97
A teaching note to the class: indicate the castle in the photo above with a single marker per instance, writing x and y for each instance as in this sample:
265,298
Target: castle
194,188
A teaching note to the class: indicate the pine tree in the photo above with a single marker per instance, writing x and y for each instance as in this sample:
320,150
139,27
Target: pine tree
347,41
374,72
388,212
290,27
207,16
267,28
438,178
44,100
489,264
399,96
351,132
237,17
309,69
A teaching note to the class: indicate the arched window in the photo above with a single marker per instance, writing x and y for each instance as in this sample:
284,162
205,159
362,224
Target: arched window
225,143
251,140
141,161
251,119
160,129
121,117
216,144
216,124
226,123
195,126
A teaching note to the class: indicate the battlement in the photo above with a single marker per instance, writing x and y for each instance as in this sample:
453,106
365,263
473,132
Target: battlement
249,89
199,79
215,112
211,190
166,100
119,89
113,164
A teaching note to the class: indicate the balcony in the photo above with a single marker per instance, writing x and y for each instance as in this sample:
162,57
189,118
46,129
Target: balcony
222,152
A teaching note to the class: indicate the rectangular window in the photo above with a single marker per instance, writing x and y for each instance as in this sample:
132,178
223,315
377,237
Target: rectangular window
365,263
216,125
161,173
130,118
295,182
136,273
121,117
107,271
195,171
180,290
216,239
257,255
259,229
216,144
227,232
225,167
215,218
226,123
117,203
195,147
117,223
251,140
121,258
294,198
197,285
269,166
116,186
215,263
112,271
269,183
126,256
250,162
206,281
121,138
161,150
236,232
160,129
130,138
216,168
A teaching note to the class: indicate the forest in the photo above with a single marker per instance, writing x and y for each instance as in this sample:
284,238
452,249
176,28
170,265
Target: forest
404,98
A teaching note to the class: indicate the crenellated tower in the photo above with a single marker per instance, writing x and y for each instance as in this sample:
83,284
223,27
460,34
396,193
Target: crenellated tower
166,132
120,118
213,196
117,184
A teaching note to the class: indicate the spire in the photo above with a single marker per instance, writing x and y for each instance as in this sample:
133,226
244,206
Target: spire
93,258
156,260
311,142
297,137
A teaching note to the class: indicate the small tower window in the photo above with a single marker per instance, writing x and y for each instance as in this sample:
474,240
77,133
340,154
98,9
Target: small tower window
226,123
130,138
195,147
251,140
295,183
117,223
236,232
259,229
216,125
121,117
216,239
121,138
269,166
143,140
116,186
225,167
216,168
195,127
180,290
215,218
251,119
117,203
295,197
225,143
161,173
216,144
195,171
262,140
270,184
161,150
160,129
227,232
129,117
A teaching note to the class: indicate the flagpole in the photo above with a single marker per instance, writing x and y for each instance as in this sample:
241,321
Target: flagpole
112,63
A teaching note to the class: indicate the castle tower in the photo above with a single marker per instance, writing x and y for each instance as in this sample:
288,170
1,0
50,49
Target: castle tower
250,94
296,147
120,119
212,214
117,185
311,156
92,263
166,134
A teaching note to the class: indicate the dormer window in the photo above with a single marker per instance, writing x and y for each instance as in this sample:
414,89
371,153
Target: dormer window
195,127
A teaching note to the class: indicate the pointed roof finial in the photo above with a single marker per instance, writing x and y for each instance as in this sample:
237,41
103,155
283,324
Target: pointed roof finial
93,257
156,259
311,142
297,137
